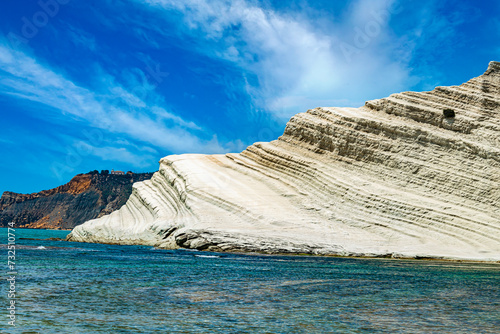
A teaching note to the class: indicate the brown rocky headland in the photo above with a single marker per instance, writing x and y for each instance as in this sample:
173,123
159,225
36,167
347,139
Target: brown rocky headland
85,197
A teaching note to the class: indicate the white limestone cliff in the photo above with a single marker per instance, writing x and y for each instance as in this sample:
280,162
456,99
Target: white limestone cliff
392,178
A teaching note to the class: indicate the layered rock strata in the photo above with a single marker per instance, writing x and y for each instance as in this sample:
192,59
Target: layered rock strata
392,178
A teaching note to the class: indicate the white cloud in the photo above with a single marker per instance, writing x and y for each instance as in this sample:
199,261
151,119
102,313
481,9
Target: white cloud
81,38
112,108
117,154
299,64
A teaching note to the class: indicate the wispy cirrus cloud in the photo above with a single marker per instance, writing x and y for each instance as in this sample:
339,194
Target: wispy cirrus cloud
117,154
237,70
112,108
297,64
81,38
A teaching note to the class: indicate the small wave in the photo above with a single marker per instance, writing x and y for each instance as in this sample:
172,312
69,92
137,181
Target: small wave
208,256
41,247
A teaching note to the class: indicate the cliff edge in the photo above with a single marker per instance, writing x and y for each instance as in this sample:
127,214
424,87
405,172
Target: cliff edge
412,175
86,196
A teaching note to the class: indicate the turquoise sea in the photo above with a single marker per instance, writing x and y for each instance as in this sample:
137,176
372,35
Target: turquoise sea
64,287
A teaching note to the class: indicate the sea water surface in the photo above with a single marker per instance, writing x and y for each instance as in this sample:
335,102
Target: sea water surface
65,287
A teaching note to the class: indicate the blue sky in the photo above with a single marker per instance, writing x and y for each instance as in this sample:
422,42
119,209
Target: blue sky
114,84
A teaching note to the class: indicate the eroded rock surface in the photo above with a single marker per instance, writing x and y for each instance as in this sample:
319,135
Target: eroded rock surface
392,178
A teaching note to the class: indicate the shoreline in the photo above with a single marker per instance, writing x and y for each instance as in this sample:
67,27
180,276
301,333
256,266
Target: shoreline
386,256
34,228
390,256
